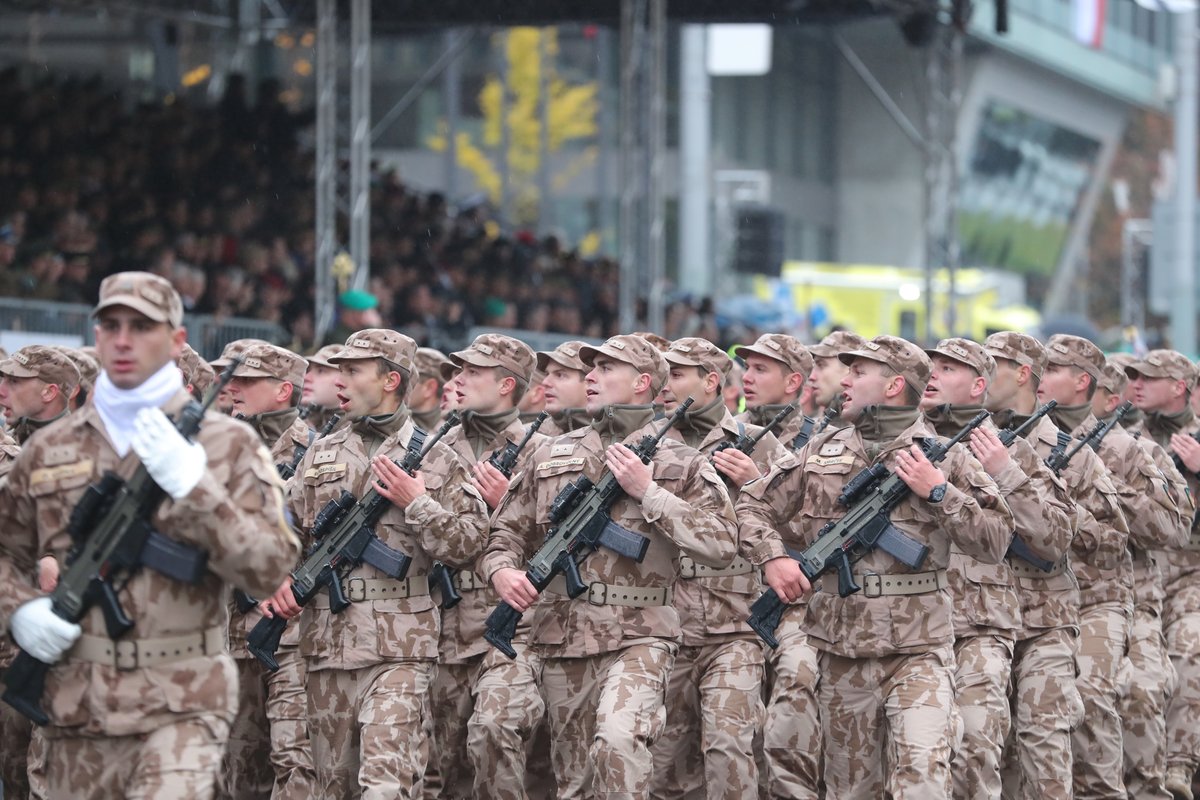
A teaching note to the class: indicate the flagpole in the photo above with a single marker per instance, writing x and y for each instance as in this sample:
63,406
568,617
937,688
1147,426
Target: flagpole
1183,303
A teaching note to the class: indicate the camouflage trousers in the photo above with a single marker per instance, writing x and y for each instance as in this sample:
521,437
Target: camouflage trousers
1144,707
714,710
368,731
1096,743
889,724
15,732
983,669
605,713
1183,712
792,742
1045,709
490,708
178,761
269,754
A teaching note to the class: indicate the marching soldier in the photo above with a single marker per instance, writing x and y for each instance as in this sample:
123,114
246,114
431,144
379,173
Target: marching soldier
151,714
777,369
828,372
533,402
88,368
318,397
886,652
608,655
224,402
15,728
564,389
197,374
425,398
36,384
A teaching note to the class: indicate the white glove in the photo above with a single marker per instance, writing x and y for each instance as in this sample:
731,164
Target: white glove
42,633
176,464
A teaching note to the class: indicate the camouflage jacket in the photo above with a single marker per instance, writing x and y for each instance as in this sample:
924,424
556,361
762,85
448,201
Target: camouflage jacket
798,497
235,514
463,625
8,452
788,430
686,509
1148,564
565,421
448,523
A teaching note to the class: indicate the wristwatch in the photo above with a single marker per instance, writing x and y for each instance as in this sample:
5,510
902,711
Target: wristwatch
937,493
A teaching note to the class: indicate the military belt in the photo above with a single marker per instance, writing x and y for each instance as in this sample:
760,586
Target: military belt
875,584
690,568
1025,570
607,594
359,590
467,581
129,654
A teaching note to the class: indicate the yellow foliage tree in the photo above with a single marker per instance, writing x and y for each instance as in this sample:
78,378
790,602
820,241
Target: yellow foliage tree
570,114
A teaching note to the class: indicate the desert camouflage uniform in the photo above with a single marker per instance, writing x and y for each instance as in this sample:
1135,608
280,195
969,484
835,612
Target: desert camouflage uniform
887,660
271,728
15,728
484,705
714,698
370,667
793,433
606,664
565,421
120,727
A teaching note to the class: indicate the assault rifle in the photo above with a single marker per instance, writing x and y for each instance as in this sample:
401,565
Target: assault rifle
506,461
1058,460
870,496
746,442
344,531
1018,547
241,600
111,539
579,525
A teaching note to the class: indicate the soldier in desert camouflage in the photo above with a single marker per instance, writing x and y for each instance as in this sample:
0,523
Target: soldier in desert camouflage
318,397
426,394
198,375
36,384
777,370
148,717
828,371
564,389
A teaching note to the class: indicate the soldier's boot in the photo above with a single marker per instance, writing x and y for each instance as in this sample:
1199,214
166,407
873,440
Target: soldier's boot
1179,781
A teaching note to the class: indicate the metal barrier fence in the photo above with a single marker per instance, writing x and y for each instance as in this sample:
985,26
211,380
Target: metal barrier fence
24,321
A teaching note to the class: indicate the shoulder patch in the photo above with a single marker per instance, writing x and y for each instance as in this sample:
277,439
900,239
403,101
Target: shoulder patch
559,462
57,473
324,456
562,449
832,448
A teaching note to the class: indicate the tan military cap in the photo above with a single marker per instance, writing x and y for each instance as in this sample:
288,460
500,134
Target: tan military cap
1019,347
781,347
89,368
196,370
692,351
271,361
235,349
661,343
836,343
498,350
1113,378
566,355
379,343
908,360
1164,364
633,350
41,362
1075,351
429,361
966,352
145,293
322,356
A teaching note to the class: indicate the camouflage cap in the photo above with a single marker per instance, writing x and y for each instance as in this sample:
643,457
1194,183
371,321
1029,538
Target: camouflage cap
272,361
389,345
498,350
145,293
566,355
661,343
1019,347
322,356
692,351
41,362
1075,351
1123,360
633,350
908,360
966,352
781,347
1164,364
428,362
234,349
196,370
1113,378
89,368
836,343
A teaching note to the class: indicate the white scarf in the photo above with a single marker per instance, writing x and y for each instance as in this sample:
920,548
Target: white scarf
118,407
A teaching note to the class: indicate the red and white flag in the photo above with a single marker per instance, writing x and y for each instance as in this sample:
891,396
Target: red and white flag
1088,21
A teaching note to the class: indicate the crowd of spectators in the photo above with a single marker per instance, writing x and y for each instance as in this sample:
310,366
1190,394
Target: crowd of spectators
220,200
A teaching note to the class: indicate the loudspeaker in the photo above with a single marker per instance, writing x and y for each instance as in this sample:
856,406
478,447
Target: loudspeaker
758,247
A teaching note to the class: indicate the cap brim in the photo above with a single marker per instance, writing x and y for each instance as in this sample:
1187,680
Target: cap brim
1142,368
587,355
848,357
823,351
10,367
447,371
320,362
349,355
931,352
251,372
143,307
474,358
673,357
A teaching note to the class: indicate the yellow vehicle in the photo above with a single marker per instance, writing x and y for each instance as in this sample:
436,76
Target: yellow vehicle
872,300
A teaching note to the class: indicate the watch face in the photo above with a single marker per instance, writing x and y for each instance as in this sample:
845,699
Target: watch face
938,492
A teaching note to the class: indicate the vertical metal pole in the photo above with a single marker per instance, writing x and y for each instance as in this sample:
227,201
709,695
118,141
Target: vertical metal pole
630,47
545,60
1183,302
604,160
695,120
506,208
656,147
326,166
451,91
360,141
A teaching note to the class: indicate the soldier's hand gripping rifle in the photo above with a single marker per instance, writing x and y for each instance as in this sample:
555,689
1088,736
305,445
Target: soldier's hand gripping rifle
1018,547
344,533
579,525
505,461
112,538
746,442
871,495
